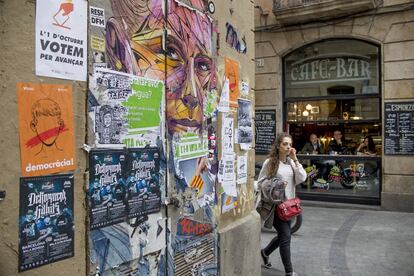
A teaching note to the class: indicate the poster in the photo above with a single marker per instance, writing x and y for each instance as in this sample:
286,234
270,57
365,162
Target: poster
46,223
143,191
199,176
226,175
97,17
242,169
227,136
128,111
245,88
244,119
107,189
190,146
224,104
46,128
61,39
133,246
195,248
232,74
228,203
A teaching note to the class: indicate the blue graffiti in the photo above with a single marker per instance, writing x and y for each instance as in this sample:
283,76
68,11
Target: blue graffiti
233,40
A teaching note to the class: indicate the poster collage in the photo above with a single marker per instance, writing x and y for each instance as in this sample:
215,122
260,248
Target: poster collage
154,103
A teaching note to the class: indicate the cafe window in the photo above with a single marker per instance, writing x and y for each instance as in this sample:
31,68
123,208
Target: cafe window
334,85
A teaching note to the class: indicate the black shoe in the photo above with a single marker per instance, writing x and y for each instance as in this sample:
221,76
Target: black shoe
265,258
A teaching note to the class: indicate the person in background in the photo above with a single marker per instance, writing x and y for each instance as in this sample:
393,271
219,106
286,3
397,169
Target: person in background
337,146
313,146
284,164
367,147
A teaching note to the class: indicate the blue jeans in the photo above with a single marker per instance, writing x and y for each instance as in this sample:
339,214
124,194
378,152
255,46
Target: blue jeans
282,240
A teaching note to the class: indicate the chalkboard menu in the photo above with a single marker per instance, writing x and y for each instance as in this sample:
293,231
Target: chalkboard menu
265,121
399,128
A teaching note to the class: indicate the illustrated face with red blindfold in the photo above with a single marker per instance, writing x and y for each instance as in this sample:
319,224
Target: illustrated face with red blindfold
46,122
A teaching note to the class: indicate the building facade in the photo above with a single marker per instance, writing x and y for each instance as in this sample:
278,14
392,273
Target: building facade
340,72
119,150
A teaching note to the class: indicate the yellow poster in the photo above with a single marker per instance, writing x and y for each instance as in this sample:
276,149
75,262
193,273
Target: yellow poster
45,128
232,73
97,43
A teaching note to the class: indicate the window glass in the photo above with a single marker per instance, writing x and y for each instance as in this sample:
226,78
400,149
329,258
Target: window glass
332,68
333,110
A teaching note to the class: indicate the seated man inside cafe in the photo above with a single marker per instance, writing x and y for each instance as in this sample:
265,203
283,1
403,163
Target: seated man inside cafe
337,146
313,146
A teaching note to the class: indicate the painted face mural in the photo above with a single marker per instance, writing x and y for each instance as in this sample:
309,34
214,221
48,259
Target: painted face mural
134,45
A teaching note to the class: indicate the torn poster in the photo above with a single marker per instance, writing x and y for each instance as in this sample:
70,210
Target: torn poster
224,104
129,246
128,111
228,202
195,248
242,169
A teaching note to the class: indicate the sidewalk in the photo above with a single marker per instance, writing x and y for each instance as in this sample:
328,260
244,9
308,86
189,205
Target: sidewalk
337,241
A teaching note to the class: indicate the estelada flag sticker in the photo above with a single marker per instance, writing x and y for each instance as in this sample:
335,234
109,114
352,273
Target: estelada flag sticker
45,128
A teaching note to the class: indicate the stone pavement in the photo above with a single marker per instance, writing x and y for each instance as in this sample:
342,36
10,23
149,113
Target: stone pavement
337,241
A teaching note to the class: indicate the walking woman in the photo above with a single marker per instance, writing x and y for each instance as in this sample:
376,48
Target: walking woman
283,163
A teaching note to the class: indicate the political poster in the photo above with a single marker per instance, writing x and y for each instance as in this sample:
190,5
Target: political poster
46,128
232,74
61,39
227,138
128,109
46,223
143,190
107,189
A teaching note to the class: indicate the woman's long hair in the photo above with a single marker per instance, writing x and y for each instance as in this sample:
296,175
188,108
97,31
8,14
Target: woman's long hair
371,144
274,154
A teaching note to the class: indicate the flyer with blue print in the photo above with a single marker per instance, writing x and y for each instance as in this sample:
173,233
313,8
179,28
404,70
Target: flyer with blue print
46,224
143,182
106,192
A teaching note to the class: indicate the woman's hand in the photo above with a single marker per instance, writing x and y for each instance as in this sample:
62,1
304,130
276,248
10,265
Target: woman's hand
292,154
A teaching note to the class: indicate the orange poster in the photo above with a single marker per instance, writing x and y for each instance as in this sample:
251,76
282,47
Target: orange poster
46,128
232,73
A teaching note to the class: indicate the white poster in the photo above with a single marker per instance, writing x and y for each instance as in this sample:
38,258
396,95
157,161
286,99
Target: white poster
245,88
227,176
227,136
224,104
61,39
97,17
242,169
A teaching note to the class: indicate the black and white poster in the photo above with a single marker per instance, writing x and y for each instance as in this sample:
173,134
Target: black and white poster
244,119
46,225
143,182
107,204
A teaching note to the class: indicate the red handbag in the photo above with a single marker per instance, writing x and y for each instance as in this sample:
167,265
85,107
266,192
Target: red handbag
289,209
